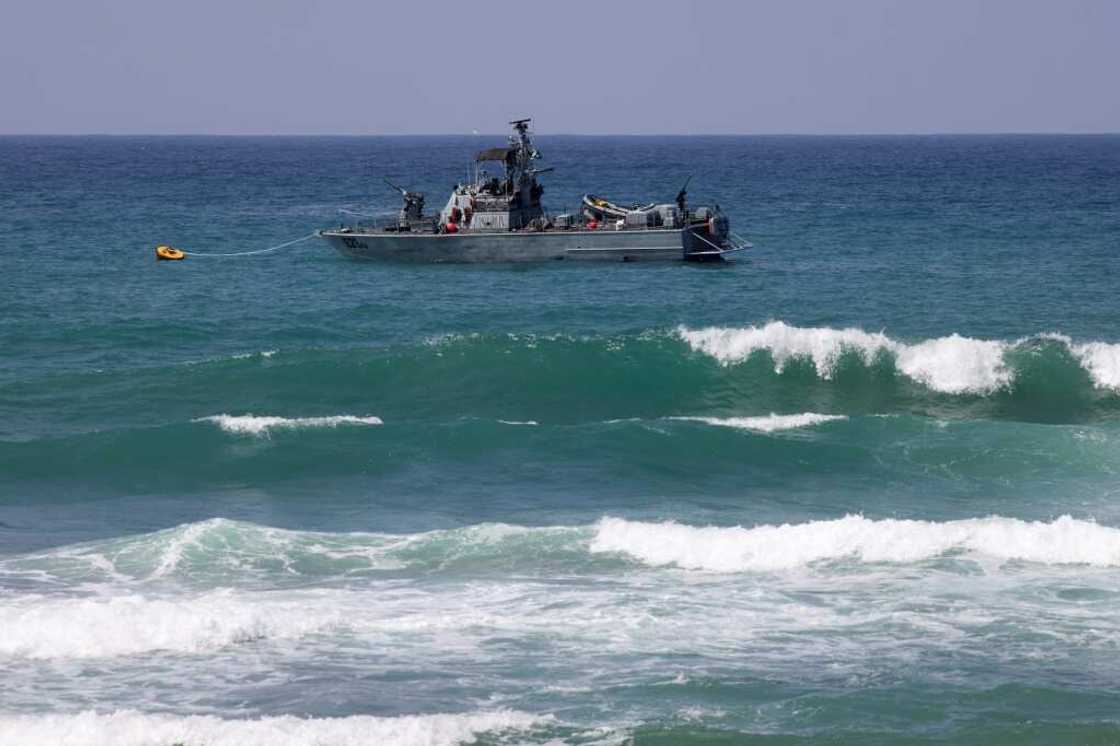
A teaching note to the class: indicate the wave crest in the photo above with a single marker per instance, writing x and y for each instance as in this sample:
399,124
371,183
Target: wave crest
222,552
249,424
767,423
951,365
132,728
769,548
231,554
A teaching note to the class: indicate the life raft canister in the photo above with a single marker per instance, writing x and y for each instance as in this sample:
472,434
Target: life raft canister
167,253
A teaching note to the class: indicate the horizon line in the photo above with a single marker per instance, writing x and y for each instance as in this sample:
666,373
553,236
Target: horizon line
931,133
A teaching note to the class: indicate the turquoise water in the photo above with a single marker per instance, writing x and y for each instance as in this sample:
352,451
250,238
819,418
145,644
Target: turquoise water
859,486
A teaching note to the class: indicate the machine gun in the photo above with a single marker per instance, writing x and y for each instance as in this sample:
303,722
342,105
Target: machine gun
413,208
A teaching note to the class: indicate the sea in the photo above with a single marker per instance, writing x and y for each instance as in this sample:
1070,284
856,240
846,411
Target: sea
859,486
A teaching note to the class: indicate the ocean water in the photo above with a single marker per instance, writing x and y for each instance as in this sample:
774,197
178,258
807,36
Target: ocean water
860,486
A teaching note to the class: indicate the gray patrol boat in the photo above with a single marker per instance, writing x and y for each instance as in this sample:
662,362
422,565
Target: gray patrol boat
500,218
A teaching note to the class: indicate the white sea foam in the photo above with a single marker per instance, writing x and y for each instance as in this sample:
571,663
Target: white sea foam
135,615
769,423
47,627
784,342
952,364
770,548
955,364
132,728
405,625
263,354
402,622
519,422
246,355
42,627
1102,361
260,425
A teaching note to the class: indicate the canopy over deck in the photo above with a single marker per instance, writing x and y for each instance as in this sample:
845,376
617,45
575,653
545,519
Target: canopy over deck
495,154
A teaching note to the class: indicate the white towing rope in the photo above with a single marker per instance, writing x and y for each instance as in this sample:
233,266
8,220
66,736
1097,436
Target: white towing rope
284,245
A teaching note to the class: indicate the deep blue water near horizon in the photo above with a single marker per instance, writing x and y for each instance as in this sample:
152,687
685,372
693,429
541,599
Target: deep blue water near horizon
858,486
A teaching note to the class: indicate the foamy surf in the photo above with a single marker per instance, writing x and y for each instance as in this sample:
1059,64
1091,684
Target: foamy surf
456,614
267,623
781,547
131,573
261,425
953,365
769,423
265,354
40,627
1102,360
132,728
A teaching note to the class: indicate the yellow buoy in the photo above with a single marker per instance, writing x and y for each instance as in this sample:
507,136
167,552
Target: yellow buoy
168,253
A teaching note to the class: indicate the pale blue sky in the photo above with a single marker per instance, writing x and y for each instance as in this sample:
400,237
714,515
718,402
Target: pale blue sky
432,66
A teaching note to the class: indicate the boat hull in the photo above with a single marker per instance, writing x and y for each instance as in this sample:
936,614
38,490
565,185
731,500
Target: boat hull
604,245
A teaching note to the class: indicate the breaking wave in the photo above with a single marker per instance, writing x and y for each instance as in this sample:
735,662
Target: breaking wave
1101,359
132,728
260,425
40,627
712,372
768,424
950,365
223,553
220,585
770,548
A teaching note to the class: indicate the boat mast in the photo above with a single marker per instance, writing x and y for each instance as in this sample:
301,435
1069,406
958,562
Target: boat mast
523,147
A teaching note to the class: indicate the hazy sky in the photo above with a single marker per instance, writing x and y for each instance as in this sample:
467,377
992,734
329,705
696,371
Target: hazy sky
429,66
